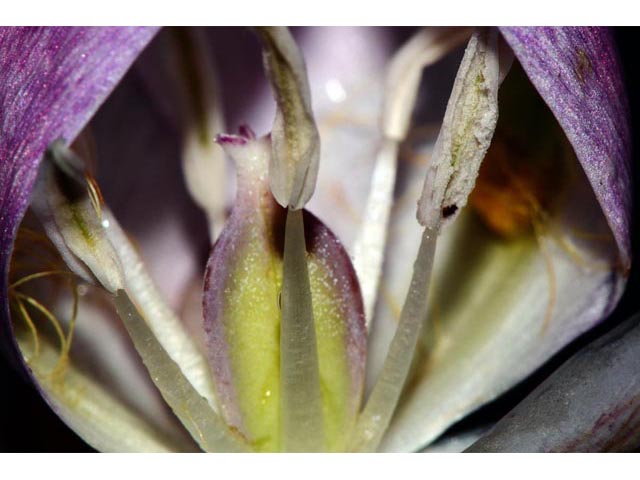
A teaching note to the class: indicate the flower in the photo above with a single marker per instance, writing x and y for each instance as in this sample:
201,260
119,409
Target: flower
539,256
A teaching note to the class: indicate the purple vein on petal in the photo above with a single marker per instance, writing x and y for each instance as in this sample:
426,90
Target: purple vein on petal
577,73
54,80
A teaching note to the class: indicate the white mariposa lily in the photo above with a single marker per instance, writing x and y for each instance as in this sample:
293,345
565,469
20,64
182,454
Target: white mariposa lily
525,208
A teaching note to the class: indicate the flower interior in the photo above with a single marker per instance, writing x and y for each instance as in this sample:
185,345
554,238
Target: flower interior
302,345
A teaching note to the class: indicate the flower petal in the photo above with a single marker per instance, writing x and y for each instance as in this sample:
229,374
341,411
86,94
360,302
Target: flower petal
54,79
591,403
577,73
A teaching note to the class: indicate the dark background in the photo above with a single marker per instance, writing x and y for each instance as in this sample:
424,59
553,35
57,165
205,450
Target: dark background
28,425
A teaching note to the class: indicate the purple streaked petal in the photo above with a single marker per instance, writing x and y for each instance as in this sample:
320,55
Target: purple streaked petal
54,80
591,403
577,73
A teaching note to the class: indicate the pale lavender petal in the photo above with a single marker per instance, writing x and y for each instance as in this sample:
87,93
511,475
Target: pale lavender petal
590,404
577,73
53,81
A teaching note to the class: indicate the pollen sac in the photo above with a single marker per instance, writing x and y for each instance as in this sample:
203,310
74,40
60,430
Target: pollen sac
242,310
68,203
465,136
295,138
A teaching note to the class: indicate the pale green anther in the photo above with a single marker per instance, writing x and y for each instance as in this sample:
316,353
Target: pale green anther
205,426
94,246
293,167
67,204
465,136
302,418
381,404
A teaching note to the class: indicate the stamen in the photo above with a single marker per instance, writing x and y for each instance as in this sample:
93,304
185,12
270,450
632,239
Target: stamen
374,419
425,48
302,418
551,274
32,328
166,325
401,88
193,410
576,256
95,196
26,237
467,130
63,202
72,320
114,261
293,167
52,319
35,276
369,247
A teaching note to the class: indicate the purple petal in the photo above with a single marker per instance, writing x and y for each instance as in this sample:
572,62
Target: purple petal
591,403
54,79
577,73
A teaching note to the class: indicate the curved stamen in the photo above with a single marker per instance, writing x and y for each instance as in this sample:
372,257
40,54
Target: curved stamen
35,276
198,96
425,48
52,319
24,313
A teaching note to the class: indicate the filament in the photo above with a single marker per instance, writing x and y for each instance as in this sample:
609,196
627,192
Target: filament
34,276
48,315
193,410
381,404
32,328
551,275
37,258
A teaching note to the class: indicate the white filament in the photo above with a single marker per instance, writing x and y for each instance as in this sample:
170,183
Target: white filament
401,89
